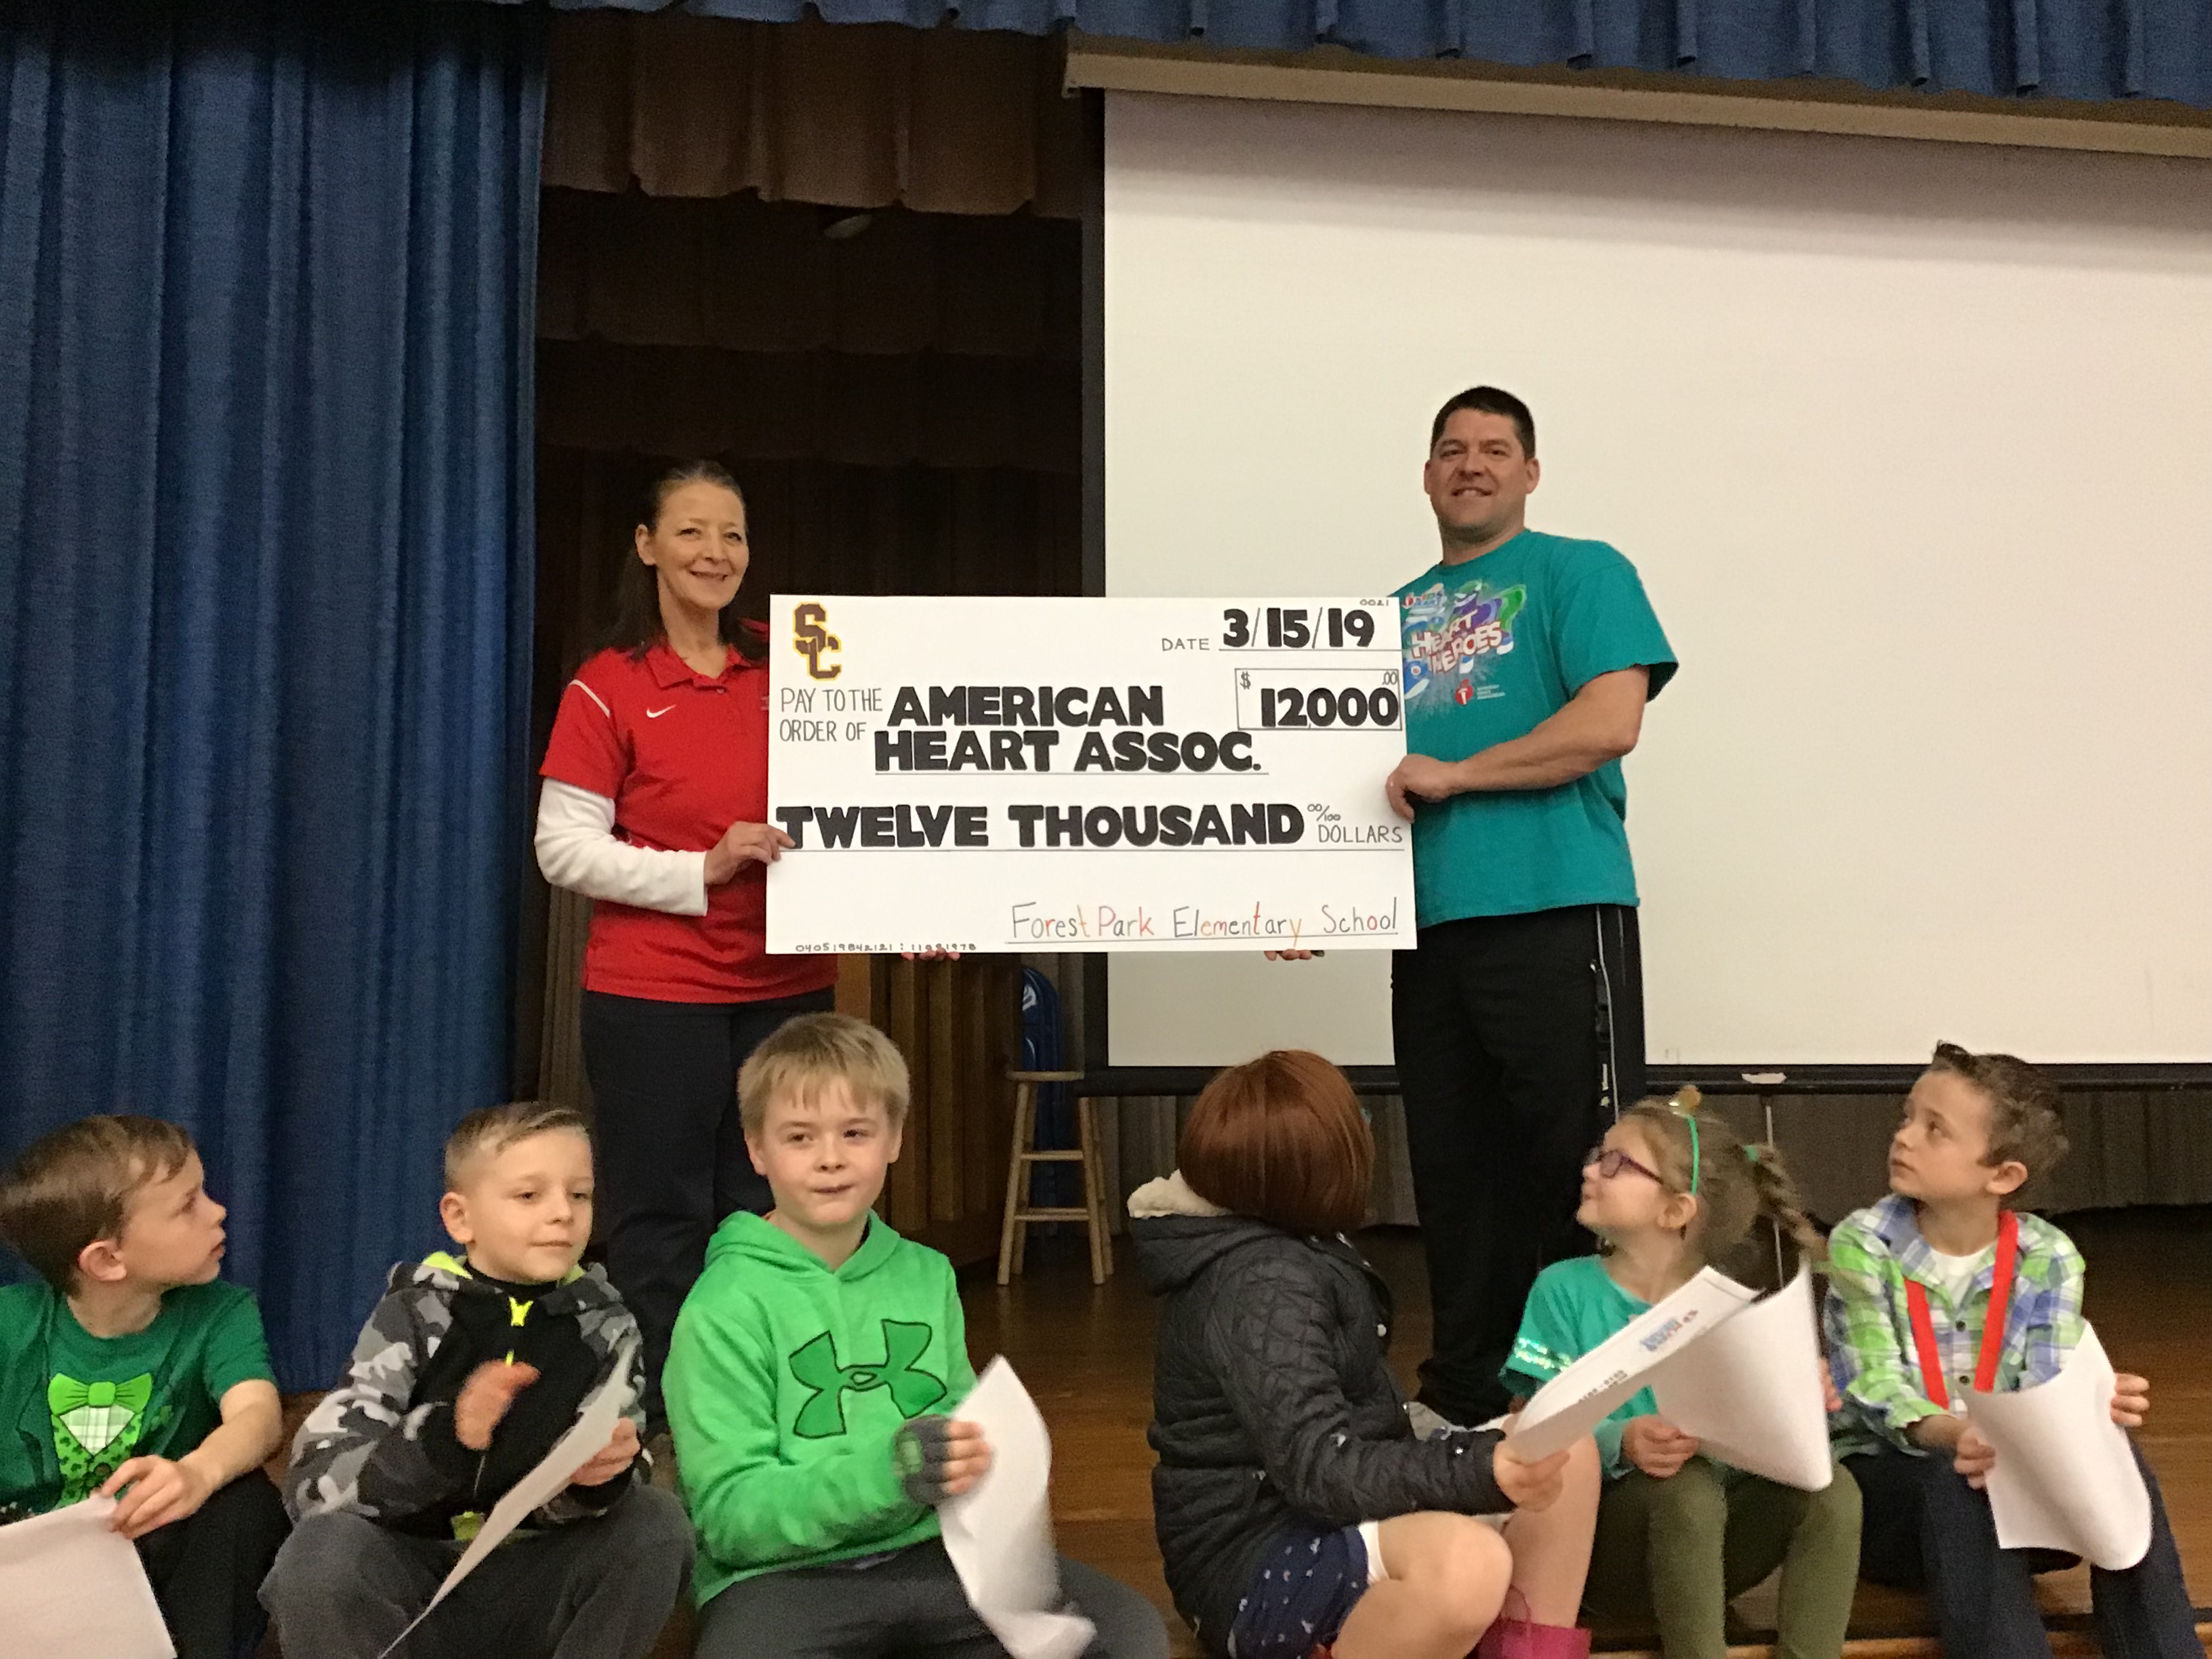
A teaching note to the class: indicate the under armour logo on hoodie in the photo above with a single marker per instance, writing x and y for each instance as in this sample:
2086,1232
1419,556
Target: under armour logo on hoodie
913,1389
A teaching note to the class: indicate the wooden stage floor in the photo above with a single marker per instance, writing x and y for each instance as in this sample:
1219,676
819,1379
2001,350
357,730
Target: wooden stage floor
1086,1355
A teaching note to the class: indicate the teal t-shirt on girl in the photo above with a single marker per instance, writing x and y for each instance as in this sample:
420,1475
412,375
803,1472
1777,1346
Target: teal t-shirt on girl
1573,1306
1494,647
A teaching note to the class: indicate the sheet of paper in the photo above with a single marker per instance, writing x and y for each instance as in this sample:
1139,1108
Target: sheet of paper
70,1585
990,773
1750,1391
2065,1477
594,1427
1000,1534
1588,1391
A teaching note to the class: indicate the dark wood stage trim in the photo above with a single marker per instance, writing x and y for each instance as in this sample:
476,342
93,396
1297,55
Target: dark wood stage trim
1086,1355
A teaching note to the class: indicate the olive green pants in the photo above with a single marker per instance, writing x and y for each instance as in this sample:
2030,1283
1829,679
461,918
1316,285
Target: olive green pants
1681,1549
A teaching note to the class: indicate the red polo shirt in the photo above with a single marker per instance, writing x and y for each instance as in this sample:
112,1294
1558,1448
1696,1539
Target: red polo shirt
684,756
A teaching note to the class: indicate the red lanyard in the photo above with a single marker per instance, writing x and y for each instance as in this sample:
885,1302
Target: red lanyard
1993,1326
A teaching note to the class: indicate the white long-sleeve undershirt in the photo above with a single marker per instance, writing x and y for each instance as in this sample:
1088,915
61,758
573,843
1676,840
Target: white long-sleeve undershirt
578,849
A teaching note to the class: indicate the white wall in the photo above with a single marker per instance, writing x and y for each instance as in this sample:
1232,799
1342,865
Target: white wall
1912,444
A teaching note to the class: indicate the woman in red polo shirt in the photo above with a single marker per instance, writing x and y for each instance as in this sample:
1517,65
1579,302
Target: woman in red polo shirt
655,805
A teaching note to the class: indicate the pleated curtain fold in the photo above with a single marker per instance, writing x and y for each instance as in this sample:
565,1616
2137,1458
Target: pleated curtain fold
2093,50
941,120
266,552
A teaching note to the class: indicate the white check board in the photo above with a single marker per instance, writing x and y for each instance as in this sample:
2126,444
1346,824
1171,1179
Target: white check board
1086,775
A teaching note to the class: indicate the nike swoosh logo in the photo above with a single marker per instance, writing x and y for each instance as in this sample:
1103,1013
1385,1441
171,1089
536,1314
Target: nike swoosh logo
655,713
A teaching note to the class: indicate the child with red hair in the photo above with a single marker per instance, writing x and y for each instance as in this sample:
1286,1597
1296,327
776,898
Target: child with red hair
1298,1513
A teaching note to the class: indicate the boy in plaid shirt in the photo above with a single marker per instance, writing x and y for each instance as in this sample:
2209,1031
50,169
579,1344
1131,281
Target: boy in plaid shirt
1912,1281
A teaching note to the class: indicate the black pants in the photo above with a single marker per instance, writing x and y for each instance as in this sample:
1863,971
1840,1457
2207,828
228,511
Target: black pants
910,1606
1518,1038
207,1569
1925,1528
598,1589
671,1149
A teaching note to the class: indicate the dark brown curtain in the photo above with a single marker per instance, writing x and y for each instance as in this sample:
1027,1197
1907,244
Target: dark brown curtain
843,262
855,115
737,327
743,275
965,413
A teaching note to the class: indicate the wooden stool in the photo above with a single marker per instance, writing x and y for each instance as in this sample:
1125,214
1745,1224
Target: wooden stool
1013,1235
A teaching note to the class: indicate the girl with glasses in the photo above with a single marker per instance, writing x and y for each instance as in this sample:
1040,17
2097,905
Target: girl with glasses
1670,1191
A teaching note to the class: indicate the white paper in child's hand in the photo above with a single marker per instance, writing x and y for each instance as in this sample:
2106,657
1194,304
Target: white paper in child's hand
70,1583
999,1533
594,1426
1752,1391
1606,1378
2065,1477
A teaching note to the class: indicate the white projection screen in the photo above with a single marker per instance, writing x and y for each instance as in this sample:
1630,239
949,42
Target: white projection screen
1913,443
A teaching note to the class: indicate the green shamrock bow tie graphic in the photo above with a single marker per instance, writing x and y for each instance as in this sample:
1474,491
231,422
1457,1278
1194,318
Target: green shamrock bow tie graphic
65,1395
97,1414
913,1389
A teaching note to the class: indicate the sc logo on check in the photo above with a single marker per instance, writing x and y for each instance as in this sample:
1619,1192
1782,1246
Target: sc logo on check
813,642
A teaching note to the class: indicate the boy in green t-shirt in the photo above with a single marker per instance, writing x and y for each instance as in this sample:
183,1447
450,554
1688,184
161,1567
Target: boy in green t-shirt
132,1372
809,1383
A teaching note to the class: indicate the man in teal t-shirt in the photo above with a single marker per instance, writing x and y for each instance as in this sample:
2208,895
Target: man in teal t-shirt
1518,1015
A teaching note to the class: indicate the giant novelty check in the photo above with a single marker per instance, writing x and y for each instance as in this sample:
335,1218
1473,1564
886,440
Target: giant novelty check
1086,775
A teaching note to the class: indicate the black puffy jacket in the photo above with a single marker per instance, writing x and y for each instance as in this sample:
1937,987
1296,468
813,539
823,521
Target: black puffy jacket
1273,1402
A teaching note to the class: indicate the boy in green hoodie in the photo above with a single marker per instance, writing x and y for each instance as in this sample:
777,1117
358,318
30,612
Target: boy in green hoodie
810,1385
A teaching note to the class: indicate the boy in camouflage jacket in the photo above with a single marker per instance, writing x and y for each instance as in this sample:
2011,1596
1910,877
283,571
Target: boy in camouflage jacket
469,1370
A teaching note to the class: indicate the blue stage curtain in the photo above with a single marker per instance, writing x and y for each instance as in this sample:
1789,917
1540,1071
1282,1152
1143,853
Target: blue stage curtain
2075,49
265,571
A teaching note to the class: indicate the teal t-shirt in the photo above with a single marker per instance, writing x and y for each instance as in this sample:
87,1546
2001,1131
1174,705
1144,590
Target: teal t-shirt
1494,647
95,1402
1572,1307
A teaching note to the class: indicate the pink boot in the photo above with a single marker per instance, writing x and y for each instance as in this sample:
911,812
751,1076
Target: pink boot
1518,1639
